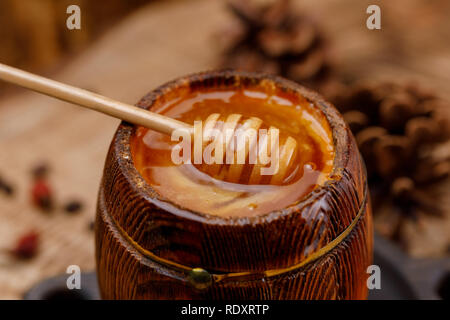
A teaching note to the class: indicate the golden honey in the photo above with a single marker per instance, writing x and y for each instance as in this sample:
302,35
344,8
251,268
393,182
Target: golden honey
191,188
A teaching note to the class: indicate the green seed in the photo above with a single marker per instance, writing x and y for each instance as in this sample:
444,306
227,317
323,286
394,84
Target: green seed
200,278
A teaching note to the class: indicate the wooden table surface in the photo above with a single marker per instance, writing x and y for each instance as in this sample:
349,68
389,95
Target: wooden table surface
155,44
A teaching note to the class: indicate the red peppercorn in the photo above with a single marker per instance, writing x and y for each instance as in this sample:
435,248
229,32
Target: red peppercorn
42,195
26,246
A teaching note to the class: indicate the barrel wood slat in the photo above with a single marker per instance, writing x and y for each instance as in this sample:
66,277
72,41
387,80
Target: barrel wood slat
317,249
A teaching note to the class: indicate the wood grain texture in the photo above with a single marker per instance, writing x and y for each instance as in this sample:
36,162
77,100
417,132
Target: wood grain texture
162,41
130,213
35,128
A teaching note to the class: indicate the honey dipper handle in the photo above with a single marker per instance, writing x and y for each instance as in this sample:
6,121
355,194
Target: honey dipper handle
91,100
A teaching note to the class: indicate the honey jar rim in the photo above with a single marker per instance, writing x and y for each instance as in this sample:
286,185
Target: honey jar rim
326,212
232,78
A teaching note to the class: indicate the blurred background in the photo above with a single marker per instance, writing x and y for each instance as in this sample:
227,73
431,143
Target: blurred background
392,86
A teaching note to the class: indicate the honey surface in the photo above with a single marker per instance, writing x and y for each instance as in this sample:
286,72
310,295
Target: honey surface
195,190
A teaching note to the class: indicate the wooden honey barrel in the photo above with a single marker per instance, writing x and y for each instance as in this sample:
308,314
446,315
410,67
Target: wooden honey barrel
148,247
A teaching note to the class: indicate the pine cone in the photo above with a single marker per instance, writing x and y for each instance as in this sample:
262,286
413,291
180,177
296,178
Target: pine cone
269,37
402,132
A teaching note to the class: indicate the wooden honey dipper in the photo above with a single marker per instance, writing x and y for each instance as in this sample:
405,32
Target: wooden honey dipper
235,172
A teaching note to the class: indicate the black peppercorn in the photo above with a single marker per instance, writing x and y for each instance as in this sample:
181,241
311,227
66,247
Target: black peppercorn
73,206
6,188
